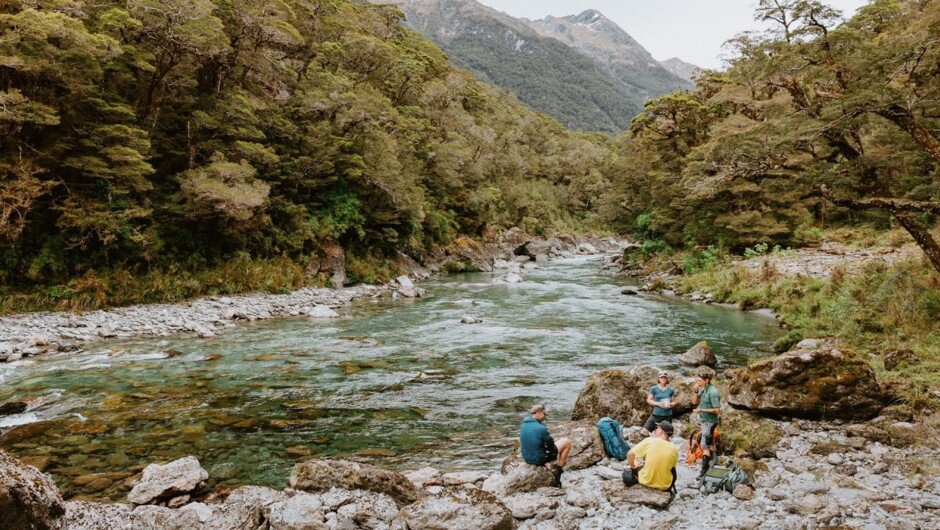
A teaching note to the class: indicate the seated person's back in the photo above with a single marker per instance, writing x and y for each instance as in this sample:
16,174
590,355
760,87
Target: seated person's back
660,457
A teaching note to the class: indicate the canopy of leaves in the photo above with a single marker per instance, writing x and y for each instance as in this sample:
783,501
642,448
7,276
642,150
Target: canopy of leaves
137,134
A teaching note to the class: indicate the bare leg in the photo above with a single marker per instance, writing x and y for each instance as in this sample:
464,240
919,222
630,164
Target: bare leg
564,447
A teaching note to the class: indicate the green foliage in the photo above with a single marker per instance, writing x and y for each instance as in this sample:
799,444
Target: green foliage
757,250
172,135
697,260
880,310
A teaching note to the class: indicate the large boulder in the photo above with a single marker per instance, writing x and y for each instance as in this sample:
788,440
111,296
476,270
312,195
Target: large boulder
519,477
699,355
587,448
303,511
29,499
622,395
322,474
618,494
244,509
825,383
471,255
458,509
163,482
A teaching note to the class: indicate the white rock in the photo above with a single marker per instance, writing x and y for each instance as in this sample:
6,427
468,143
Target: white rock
166,481
512,278
470,319
322,311
405,282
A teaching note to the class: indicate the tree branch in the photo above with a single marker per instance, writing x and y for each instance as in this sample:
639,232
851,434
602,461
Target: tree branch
888,203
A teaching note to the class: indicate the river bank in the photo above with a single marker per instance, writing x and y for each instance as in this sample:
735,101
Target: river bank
811,474
30,334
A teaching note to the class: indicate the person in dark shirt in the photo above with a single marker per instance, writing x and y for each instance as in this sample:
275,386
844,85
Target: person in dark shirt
537,445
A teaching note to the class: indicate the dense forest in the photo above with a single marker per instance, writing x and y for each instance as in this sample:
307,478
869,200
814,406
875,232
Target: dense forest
167,139
150,141
815,123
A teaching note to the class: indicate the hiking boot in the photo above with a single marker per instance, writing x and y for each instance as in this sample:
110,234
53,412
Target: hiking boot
556,472
706,464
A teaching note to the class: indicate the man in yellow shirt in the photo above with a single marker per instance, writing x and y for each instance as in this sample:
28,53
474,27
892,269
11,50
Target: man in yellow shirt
660,455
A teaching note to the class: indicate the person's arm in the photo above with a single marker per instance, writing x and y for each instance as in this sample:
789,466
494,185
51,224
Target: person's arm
631,460
695,395
649,398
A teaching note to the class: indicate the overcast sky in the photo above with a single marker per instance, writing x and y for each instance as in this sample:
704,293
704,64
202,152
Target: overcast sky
692,30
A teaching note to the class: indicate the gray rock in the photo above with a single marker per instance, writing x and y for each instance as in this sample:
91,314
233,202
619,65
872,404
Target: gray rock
163,518
470,319
806,505
619,494
321,474
743,492
303,511
521,478
163,482
512,278
458,509
405,282
322,311
835,459
699,355
464,477
527,505
29,499
629,292
777,494
80,515
426,476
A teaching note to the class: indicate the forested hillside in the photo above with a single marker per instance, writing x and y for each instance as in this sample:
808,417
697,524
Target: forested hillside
546,74
161,140
815,124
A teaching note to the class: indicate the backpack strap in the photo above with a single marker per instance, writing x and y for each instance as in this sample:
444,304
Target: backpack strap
672,487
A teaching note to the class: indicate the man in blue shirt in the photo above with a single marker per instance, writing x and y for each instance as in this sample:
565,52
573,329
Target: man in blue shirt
538,446
662,397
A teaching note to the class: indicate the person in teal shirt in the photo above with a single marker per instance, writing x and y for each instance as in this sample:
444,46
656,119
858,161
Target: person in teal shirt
662,397
707,406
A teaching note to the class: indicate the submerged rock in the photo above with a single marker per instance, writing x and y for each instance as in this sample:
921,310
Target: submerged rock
29,499
827,383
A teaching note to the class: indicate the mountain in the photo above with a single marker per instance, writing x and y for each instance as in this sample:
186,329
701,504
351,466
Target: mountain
681,68
546,74
598,37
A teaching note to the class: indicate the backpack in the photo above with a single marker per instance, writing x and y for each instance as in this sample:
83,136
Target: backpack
612,435
723,478
695,445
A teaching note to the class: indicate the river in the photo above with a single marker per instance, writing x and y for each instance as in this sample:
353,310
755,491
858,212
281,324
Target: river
401,383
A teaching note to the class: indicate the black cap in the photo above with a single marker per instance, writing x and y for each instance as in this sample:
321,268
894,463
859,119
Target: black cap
666,427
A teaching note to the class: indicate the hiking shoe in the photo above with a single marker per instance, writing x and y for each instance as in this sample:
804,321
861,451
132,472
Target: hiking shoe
556,472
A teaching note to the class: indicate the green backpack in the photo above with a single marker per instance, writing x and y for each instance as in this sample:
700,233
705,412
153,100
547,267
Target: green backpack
723,478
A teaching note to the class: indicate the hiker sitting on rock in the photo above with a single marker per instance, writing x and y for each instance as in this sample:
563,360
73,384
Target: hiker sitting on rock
660,455
662,397
707,406
538,446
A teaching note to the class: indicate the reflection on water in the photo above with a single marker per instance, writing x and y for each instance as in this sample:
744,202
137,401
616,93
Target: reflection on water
402,383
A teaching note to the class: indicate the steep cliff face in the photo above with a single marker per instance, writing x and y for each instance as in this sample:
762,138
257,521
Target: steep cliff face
595,36
545,73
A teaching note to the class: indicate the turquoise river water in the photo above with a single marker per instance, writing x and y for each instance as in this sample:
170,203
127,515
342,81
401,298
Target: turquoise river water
399,383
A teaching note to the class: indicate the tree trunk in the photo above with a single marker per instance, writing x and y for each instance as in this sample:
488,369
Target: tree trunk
905,120
908,220
923,237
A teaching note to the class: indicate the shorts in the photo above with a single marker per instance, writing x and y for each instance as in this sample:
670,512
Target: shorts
654,419
551,454
631,477
708,434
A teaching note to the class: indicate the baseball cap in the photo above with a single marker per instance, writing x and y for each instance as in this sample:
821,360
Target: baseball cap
663,373
666,427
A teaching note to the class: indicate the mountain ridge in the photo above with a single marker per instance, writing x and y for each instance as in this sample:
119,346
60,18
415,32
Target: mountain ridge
545,72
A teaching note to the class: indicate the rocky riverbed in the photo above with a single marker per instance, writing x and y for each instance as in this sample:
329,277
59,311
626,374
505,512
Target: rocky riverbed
35,333
875,468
